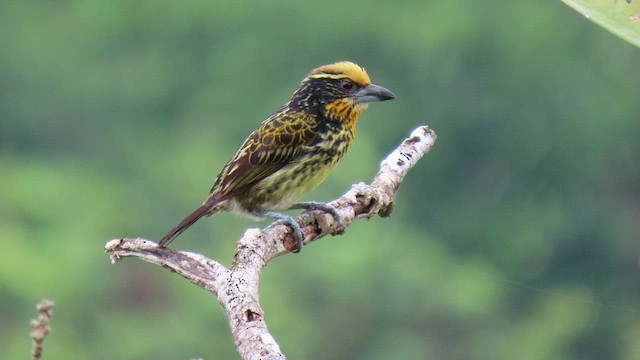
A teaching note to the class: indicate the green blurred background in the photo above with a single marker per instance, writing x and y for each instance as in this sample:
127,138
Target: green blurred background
517,237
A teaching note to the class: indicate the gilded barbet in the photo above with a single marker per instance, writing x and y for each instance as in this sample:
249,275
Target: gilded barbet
293,150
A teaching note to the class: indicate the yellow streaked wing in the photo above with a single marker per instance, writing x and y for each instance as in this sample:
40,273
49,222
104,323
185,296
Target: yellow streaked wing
277,142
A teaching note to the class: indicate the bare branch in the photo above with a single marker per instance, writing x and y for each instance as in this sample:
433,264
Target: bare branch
40,327
236,287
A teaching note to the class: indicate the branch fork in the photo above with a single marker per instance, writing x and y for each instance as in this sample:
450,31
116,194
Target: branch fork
236,287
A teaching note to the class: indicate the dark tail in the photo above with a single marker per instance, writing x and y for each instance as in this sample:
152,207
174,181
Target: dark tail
183,225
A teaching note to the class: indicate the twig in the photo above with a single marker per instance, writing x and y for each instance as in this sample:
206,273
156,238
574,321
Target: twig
40,327
236,287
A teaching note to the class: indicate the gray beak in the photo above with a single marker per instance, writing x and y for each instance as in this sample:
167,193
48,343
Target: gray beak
373,92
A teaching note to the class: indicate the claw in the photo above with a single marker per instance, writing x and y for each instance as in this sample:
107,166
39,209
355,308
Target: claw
297,230
299,236
313,205
287,220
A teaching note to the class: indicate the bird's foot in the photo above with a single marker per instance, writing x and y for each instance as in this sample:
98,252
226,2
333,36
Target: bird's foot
287,220
314,205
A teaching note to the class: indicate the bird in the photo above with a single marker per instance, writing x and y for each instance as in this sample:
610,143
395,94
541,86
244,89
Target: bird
293,150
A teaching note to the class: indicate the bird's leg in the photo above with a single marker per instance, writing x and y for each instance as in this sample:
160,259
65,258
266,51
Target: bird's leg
314,205
286,219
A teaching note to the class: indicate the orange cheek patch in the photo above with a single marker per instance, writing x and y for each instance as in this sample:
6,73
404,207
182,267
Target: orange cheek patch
346,111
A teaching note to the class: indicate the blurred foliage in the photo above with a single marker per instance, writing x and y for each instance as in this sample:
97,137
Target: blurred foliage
515,238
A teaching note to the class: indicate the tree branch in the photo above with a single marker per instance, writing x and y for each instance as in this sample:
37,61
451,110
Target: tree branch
236,287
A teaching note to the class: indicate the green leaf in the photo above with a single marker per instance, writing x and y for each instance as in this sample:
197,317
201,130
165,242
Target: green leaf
621,17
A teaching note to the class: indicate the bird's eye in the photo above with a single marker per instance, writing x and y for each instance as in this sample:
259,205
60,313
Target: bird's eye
347,85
